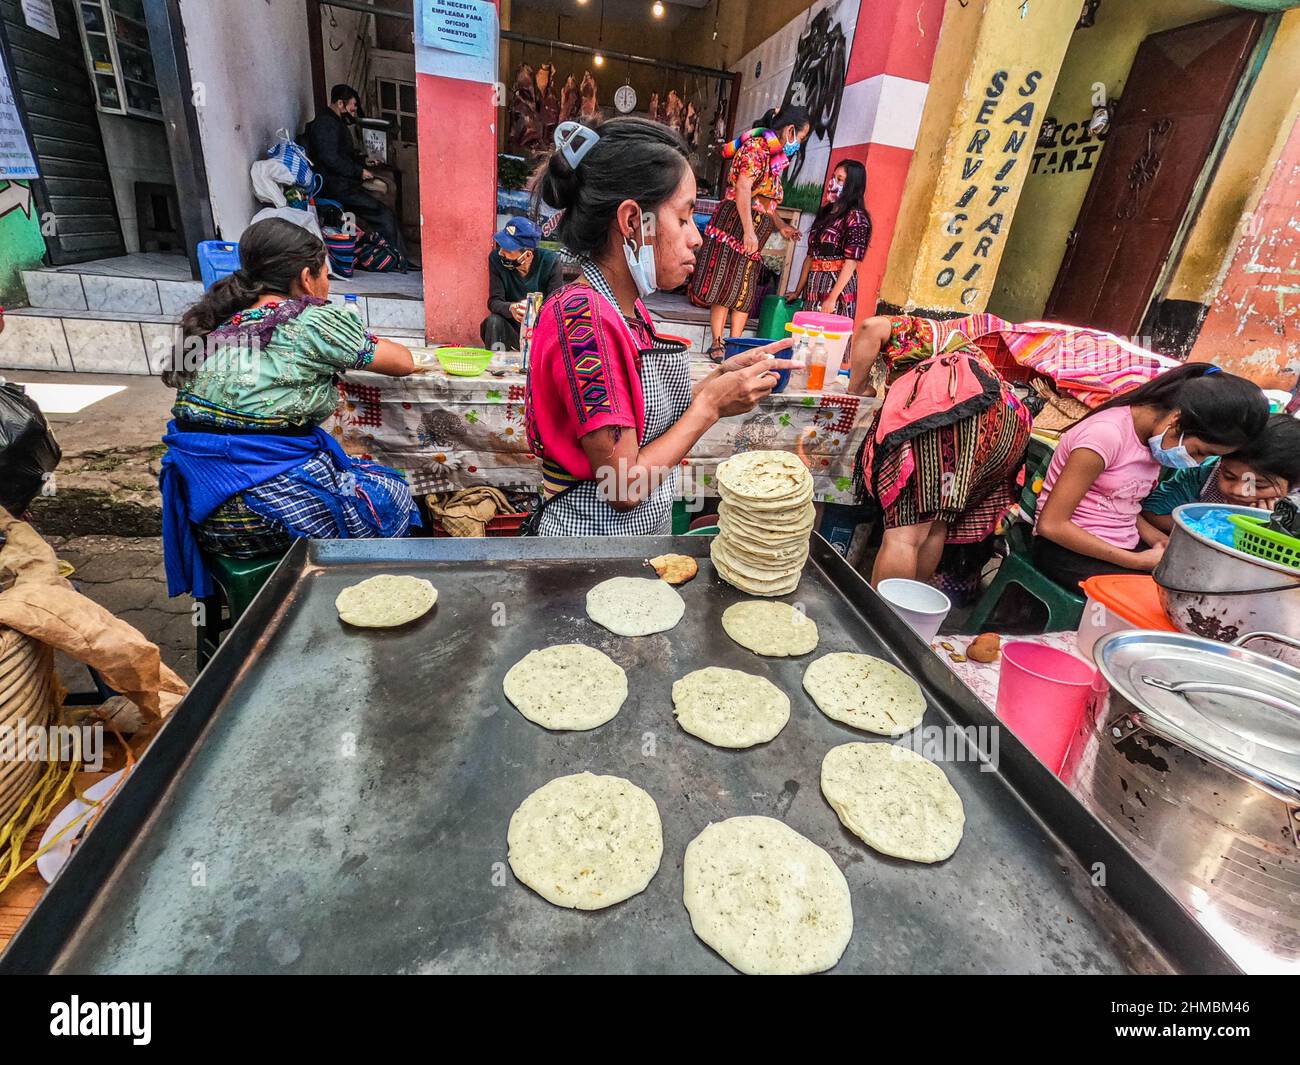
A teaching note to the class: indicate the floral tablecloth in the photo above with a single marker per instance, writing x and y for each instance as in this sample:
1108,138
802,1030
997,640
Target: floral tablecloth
448,432
982,677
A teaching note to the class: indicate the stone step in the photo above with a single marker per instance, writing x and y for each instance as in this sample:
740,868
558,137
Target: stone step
69,290
45,338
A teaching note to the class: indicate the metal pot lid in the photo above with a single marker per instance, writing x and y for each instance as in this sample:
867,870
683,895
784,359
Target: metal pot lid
1234,707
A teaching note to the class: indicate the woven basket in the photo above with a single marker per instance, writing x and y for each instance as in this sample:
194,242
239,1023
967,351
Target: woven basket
26,687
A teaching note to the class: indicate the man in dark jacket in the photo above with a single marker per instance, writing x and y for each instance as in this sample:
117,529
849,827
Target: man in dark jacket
516,267
334,155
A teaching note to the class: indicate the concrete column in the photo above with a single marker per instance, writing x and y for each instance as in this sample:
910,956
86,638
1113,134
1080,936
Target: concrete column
993,74
458,166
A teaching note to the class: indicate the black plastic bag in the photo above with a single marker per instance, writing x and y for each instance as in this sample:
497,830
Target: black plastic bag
28,450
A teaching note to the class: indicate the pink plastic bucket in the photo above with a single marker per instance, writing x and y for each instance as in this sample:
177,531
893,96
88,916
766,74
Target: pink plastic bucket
1042,695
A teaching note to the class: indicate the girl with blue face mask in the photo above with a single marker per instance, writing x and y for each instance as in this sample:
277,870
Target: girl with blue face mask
1088,518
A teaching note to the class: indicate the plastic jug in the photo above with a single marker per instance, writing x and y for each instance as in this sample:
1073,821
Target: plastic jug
775,314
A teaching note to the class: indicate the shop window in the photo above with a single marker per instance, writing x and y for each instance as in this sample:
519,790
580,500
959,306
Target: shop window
397,107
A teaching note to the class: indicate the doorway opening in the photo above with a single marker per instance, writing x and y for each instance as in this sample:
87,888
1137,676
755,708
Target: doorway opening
1145,103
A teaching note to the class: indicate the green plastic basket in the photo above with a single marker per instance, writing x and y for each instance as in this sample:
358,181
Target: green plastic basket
1252,535
464,362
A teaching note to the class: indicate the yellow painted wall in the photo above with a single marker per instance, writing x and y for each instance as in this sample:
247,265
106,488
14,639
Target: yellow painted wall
993,75
1246,165
1049,206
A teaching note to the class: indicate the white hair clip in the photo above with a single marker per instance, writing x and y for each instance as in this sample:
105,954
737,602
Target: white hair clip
566,133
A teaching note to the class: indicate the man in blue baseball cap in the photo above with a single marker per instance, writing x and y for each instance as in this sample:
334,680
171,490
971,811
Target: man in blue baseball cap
516,267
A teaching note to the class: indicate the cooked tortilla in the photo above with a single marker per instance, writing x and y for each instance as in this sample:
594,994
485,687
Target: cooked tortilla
635,606
385,601
777,630
586,841
728,708
894,800
865,692
769,900
568,686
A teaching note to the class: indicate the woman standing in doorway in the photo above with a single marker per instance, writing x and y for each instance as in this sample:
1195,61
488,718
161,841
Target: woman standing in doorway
837,243
727,275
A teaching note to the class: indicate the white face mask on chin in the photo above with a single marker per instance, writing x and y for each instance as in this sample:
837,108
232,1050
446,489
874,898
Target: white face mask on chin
641,261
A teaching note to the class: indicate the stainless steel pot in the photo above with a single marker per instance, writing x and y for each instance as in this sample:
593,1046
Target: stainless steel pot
1193,759
1218,592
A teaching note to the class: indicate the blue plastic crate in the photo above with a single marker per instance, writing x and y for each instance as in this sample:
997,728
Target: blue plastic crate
217,259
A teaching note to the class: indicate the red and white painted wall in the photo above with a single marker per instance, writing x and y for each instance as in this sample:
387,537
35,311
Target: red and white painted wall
1253,325
890,50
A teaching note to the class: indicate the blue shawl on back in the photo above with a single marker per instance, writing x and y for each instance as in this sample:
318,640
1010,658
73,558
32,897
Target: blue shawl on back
200,471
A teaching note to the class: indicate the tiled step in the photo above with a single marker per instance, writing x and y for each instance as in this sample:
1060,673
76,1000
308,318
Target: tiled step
69,290
43,338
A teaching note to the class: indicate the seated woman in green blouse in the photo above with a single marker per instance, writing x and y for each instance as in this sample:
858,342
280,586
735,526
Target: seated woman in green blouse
248,467
1265,470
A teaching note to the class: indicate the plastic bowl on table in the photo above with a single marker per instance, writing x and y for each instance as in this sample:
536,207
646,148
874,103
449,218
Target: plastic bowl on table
464,362
736,345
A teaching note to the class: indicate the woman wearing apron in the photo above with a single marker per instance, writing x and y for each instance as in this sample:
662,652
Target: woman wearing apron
611,408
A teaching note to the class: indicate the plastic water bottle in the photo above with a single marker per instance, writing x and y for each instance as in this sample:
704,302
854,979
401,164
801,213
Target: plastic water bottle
350,304
817,368
799,353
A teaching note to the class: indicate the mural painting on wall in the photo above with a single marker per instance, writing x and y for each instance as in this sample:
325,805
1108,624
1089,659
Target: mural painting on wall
22,246
804,63
993,164
817,82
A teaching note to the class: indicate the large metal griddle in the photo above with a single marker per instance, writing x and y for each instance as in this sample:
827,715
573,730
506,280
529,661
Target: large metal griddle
330,800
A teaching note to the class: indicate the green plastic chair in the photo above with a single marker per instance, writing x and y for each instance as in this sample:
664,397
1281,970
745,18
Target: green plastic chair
1064,608
237,582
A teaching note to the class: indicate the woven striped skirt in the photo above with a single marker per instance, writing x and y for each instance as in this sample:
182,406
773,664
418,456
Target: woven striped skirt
725,276
820,283
963,474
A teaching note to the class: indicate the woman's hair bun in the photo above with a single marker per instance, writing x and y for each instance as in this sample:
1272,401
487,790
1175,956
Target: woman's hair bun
559,183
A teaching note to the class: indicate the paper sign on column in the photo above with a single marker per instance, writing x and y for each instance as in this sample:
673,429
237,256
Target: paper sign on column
40,16
457,39
16,160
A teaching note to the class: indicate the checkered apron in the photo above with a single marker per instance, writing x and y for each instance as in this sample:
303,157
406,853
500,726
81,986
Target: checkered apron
665,373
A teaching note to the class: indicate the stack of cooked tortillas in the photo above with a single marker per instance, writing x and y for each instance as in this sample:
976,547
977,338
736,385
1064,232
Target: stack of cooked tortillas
764,520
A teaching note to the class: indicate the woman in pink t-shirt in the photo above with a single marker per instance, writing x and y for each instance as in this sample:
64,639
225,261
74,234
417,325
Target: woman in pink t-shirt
1089,511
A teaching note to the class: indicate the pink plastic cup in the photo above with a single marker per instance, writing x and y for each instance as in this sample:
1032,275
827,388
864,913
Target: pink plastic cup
1042,695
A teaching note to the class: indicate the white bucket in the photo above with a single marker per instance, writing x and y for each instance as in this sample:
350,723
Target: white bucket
921,605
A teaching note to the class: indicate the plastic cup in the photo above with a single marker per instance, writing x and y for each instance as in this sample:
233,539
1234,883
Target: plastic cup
1042,695
921,605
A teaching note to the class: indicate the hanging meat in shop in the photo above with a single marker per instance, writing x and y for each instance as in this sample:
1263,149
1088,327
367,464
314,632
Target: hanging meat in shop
548,104
525,124
590,106
691,125
569,99
674,111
